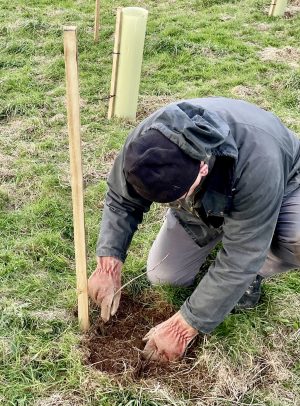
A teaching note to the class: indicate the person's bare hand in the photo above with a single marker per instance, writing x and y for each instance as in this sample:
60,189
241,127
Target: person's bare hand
168,341
103,284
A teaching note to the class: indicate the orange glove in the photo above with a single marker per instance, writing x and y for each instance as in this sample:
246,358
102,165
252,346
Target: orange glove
104,282
168,341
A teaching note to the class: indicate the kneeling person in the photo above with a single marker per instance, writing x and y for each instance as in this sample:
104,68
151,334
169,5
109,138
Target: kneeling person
230,172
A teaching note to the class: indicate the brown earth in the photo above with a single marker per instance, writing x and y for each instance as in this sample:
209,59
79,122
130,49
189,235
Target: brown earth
115,348
206,374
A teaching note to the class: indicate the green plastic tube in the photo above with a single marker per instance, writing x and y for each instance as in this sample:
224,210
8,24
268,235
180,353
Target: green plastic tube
132,38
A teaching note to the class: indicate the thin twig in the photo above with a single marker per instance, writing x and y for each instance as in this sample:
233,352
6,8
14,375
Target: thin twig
139,276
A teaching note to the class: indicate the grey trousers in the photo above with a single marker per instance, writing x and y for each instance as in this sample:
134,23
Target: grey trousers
185,256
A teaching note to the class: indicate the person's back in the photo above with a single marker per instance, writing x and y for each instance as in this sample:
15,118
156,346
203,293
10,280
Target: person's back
249,162
265,132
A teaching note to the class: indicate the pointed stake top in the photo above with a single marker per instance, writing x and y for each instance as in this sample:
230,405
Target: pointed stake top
69,28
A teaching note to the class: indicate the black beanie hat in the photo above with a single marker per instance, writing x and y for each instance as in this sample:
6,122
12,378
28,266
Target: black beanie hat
158,169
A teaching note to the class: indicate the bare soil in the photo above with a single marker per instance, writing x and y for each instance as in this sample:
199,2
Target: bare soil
115,347
206,374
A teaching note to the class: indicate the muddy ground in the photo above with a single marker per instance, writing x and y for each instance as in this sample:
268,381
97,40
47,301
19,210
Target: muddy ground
115,348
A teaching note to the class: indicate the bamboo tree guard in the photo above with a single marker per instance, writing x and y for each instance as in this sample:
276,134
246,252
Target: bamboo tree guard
72,90
126,74
277,8
97,21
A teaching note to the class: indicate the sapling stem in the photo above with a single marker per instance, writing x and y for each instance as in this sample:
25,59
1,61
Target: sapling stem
139,276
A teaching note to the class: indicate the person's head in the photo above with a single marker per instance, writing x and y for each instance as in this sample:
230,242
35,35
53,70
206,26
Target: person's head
158,169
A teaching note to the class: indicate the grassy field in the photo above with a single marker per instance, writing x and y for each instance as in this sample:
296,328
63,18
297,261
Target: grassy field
193,48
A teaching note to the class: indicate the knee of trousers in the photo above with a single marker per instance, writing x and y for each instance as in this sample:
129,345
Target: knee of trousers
296,251
168,273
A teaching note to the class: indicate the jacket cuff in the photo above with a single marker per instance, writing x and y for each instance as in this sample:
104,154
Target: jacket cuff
105,252
192,320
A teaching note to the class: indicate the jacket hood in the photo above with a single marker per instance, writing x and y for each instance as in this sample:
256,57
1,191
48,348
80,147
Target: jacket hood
194,129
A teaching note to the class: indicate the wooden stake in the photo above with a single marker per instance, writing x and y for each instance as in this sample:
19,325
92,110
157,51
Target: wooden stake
97,21
115,63
70,49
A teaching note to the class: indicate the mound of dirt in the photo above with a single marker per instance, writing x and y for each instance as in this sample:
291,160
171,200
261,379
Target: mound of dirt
115,348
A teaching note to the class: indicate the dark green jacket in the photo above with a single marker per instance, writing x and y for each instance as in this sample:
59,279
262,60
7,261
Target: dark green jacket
257,162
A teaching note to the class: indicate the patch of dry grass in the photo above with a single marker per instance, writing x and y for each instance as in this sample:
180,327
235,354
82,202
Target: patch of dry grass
60,399
149,104
288,55
53,314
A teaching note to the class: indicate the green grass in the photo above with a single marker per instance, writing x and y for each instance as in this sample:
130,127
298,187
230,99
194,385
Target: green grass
192,49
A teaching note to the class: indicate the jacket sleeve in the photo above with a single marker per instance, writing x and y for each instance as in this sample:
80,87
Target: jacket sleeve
248,232
123,212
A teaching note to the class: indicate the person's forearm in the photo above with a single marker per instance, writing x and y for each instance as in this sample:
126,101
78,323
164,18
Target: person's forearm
118,226
215,296
116,232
